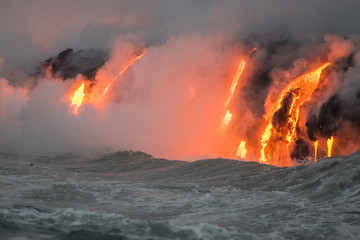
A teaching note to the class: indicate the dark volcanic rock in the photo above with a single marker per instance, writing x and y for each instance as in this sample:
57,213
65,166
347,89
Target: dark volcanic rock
301,150
69,63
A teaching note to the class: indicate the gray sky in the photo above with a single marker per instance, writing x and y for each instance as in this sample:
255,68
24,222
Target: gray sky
35,29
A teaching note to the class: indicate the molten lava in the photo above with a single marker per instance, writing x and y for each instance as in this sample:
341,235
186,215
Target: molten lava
131,62
329,143
241,152
77,98
283,116
235,81
96,94
227,118
316,144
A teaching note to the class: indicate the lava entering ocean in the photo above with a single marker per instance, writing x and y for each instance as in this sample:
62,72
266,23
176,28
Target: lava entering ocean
227,118
77,98
280,131
93,96
248,107
300,117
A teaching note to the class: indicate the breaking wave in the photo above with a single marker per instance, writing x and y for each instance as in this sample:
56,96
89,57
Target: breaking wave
131,195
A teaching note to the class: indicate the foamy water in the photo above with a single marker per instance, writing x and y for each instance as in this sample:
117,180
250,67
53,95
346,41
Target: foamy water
129,195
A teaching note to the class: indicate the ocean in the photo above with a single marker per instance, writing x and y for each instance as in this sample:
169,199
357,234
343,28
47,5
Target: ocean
131,195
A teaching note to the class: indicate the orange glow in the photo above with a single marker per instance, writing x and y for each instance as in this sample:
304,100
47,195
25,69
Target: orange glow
226,120
241,152
329,143
295,94
192,92
235,81
131,62
316,143
77,98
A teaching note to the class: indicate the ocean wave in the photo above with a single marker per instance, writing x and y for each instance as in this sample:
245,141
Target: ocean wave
132,195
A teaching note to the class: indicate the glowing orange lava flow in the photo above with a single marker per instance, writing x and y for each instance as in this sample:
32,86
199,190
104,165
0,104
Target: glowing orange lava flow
330,143
131,62
227,118
283,116
77,98
235,81
241,152
316,143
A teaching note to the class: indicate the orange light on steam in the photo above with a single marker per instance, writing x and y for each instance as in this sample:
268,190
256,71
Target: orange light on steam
192,92
330,143
301,89
77,98
241,152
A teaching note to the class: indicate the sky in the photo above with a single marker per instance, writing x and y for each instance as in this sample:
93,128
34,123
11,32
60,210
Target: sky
33,30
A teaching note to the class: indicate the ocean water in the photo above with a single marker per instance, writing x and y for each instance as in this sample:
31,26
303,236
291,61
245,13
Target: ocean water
130,195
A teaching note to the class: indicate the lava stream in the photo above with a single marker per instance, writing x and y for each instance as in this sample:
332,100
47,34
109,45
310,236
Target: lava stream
131,62
235,81
241,152
316,144
227,118
288,104
77,98
330,143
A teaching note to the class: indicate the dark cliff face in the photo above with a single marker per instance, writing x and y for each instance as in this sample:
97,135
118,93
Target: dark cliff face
69,63
342,107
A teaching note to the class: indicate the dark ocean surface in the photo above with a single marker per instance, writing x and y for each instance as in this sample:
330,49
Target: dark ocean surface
130,195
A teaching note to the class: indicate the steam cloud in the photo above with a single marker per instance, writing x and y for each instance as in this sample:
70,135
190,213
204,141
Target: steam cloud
170,102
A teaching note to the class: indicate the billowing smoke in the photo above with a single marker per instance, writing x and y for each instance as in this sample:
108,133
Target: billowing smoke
171,101
166,104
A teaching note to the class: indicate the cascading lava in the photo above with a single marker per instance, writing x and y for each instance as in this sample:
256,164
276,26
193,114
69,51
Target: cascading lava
241,152
281,142
279,137
257,108
316,144
329,144
283,117
227,118
98,91
77,98
127,65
